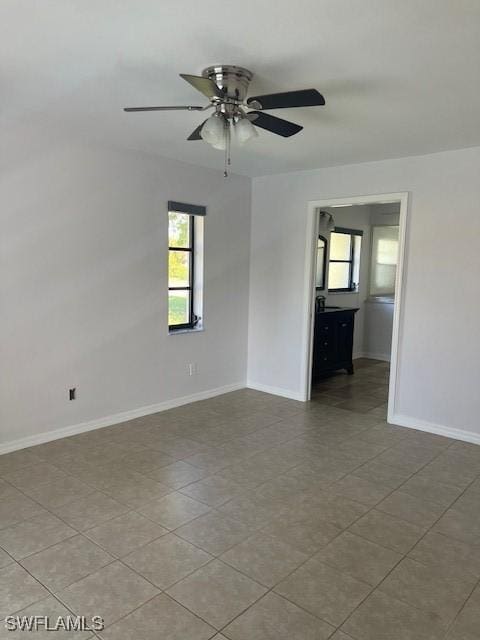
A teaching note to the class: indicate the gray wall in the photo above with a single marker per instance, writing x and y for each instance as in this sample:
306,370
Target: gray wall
83,284
438,374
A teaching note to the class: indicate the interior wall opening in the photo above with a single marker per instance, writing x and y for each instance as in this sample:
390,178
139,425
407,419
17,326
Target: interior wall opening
356,257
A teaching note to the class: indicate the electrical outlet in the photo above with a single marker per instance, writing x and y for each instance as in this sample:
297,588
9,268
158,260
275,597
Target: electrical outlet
192,368
72,393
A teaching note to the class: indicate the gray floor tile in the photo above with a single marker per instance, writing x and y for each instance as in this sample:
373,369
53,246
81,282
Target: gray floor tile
173,510
161,618
382,474
112,592
359,558
11,462
217,593
424,488
213,491
452,470
388,531
33,535
338,510
247,510
209,460
307,535
136,490
437,550
461,524
412,509
16,507
407,457
274,618
179,447
178,474
214,533
7,490
35,475
66,562
324,591
57,493
361,490
467,624
18,589
264,558
384,618
271,484
52,609
147,460
5,558
125,533
167,560
429,588
89,511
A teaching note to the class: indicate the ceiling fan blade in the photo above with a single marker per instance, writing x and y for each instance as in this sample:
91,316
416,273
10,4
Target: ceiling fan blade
303,98
195,135
179,108
272,123
204,85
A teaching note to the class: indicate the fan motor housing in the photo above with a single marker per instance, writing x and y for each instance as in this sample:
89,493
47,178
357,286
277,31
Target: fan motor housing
233,80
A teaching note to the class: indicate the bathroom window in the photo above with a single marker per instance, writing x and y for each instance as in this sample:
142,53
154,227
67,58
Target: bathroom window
344,260
383,268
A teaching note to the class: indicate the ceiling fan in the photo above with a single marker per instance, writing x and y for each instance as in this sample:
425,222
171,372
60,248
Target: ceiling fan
226,87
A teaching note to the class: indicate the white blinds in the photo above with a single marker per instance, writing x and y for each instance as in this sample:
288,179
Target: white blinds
384,260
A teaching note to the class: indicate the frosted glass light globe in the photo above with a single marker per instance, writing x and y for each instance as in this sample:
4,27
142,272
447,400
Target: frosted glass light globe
213,131
245,130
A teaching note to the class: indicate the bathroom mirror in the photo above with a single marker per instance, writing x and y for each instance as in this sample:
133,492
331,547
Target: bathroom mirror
321,263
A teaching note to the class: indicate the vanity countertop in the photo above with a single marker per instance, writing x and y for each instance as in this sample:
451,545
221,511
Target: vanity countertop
329,309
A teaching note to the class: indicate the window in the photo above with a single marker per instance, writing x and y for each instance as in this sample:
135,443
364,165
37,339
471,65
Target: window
384,260
344,261
184,283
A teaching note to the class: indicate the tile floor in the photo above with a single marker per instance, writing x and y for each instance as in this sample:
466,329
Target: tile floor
249,517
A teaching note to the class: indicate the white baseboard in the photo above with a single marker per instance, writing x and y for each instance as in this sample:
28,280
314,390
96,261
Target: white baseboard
106,421
276,391
438,429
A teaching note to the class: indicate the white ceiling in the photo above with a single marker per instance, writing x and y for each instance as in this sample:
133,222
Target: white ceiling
400,77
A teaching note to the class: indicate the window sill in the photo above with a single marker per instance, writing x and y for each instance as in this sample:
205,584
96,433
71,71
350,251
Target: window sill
342,293
174,332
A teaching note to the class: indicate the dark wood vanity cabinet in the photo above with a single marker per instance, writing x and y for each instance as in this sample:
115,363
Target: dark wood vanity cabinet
333,341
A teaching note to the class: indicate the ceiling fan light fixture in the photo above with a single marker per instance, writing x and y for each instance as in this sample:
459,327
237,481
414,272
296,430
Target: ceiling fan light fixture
213,131
327,220
226,87
245,131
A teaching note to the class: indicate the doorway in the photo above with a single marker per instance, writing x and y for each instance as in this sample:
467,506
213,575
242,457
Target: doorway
355,257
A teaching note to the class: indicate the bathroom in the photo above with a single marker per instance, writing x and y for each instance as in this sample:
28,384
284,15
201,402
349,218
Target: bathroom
357,251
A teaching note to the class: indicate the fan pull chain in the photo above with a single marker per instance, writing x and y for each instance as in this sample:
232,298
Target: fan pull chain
227,149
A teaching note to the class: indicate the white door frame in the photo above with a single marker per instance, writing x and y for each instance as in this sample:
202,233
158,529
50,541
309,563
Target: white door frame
310,291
